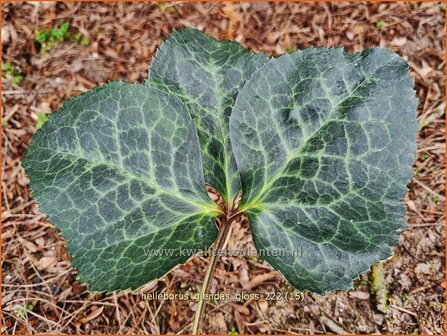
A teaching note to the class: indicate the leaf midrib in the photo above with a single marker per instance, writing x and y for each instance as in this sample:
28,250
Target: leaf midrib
203,206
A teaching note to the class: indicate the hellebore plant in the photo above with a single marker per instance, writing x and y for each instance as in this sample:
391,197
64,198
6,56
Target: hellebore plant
319,144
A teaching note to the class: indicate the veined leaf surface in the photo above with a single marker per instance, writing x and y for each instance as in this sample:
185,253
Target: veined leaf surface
118,170
324,143
207,75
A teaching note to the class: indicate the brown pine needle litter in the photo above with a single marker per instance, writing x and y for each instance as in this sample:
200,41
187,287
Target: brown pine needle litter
40,293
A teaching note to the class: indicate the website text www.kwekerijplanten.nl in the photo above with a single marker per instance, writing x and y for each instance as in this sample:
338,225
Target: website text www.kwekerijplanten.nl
187,252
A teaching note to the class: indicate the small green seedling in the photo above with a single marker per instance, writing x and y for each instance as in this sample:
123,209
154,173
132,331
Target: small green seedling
425,156
233,331
404,297
49,38
165,6
22,311
85,41
380,24
291,49
15,73
317,145
81,39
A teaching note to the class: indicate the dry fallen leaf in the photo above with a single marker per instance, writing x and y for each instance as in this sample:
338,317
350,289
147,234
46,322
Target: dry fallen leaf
45,262
94,314
263,305
359,295
219,321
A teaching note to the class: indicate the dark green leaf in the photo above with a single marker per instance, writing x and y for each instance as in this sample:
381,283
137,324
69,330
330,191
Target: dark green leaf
207,75
118,171
324,142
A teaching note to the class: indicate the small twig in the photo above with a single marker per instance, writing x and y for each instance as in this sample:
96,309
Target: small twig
430,148
39,283
117,311
403,310
422,289
332,325
426,187
258,280
426,225
27,92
